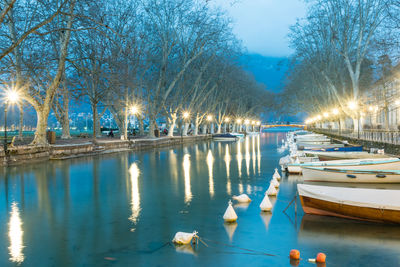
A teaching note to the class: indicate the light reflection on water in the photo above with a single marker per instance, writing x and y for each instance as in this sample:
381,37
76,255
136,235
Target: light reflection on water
122,208
186,170
15,234
135,203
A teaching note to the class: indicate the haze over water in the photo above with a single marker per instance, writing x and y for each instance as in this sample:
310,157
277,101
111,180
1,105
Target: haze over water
123,209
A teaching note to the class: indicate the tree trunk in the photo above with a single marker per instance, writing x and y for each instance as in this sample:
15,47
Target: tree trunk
219,128
96,123
171,127
212,128
386,114
204,128
141,125
151,127
226,126
42,114
124,126
21,120
196,128
185,129
355,125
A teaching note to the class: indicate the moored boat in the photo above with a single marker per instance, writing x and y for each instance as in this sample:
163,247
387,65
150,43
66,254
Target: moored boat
338,149
324,155
326,174
224,137
378,205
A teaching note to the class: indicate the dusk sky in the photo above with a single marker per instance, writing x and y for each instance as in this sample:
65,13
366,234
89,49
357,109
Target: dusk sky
263,25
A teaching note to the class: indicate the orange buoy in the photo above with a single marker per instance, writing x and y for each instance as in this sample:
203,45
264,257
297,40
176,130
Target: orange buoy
321,257
294,254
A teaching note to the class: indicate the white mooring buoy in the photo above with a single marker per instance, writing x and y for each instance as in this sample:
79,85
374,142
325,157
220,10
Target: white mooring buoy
275,182
276,175
243,198
182,238
266,205
271,190
230,214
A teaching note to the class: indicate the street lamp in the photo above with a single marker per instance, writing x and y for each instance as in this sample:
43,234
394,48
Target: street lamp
227,119
134,110
11,97
209,118
186,115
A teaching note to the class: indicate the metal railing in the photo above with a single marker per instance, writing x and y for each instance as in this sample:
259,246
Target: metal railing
376,135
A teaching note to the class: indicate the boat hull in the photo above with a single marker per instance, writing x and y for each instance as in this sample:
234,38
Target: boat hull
352,203
326,156
350,175
327,208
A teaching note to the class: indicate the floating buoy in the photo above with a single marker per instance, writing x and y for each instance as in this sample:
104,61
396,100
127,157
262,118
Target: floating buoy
182,238
266,205
271,190
294,254
243,198
276,174
275,182
230,214
321,257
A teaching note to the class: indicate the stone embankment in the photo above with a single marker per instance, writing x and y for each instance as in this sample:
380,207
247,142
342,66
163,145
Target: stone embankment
26,154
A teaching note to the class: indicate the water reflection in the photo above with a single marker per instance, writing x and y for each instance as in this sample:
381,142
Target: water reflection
135,200
230,229
239,158
253,144
247,155
186,171
210,161
15,234
258,155
227,159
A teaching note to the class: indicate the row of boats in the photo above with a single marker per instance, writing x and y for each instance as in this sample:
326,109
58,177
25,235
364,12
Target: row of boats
342,180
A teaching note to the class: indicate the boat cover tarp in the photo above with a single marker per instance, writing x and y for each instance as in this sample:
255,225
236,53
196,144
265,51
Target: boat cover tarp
358,197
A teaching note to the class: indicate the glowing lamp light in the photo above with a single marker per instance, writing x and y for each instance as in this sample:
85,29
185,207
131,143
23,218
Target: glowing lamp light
397,102
258,122
239,121
186,115
352,105
319,117
246,122
326,115
12,96
335,111
227,119
134,110
209,118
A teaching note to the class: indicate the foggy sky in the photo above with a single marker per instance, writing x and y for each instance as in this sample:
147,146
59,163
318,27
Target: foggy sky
263,25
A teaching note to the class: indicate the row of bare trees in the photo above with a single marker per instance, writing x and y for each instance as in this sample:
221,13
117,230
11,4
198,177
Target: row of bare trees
164,56
339,47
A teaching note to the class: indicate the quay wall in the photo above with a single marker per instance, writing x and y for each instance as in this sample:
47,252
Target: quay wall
26,154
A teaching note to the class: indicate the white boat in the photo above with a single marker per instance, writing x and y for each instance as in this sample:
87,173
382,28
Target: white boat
346,175
379,205
296,166
224,137
323,156
317,146
357,164
240,135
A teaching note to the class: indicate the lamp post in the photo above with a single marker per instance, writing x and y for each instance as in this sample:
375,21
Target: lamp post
11,98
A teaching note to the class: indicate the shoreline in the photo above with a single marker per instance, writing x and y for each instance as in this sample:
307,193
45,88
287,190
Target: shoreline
32,154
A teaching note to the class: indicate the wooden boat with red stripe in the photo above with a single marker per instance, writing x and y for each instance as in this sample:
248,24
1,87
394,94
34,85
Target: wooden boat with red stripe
379,205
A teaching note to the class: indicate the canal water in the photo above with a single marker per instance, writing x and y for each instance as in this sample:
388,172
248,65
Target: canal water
124,209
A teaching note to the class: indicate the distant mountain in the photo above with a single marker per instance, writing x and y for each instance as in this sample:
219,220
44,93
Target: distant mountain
267,70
